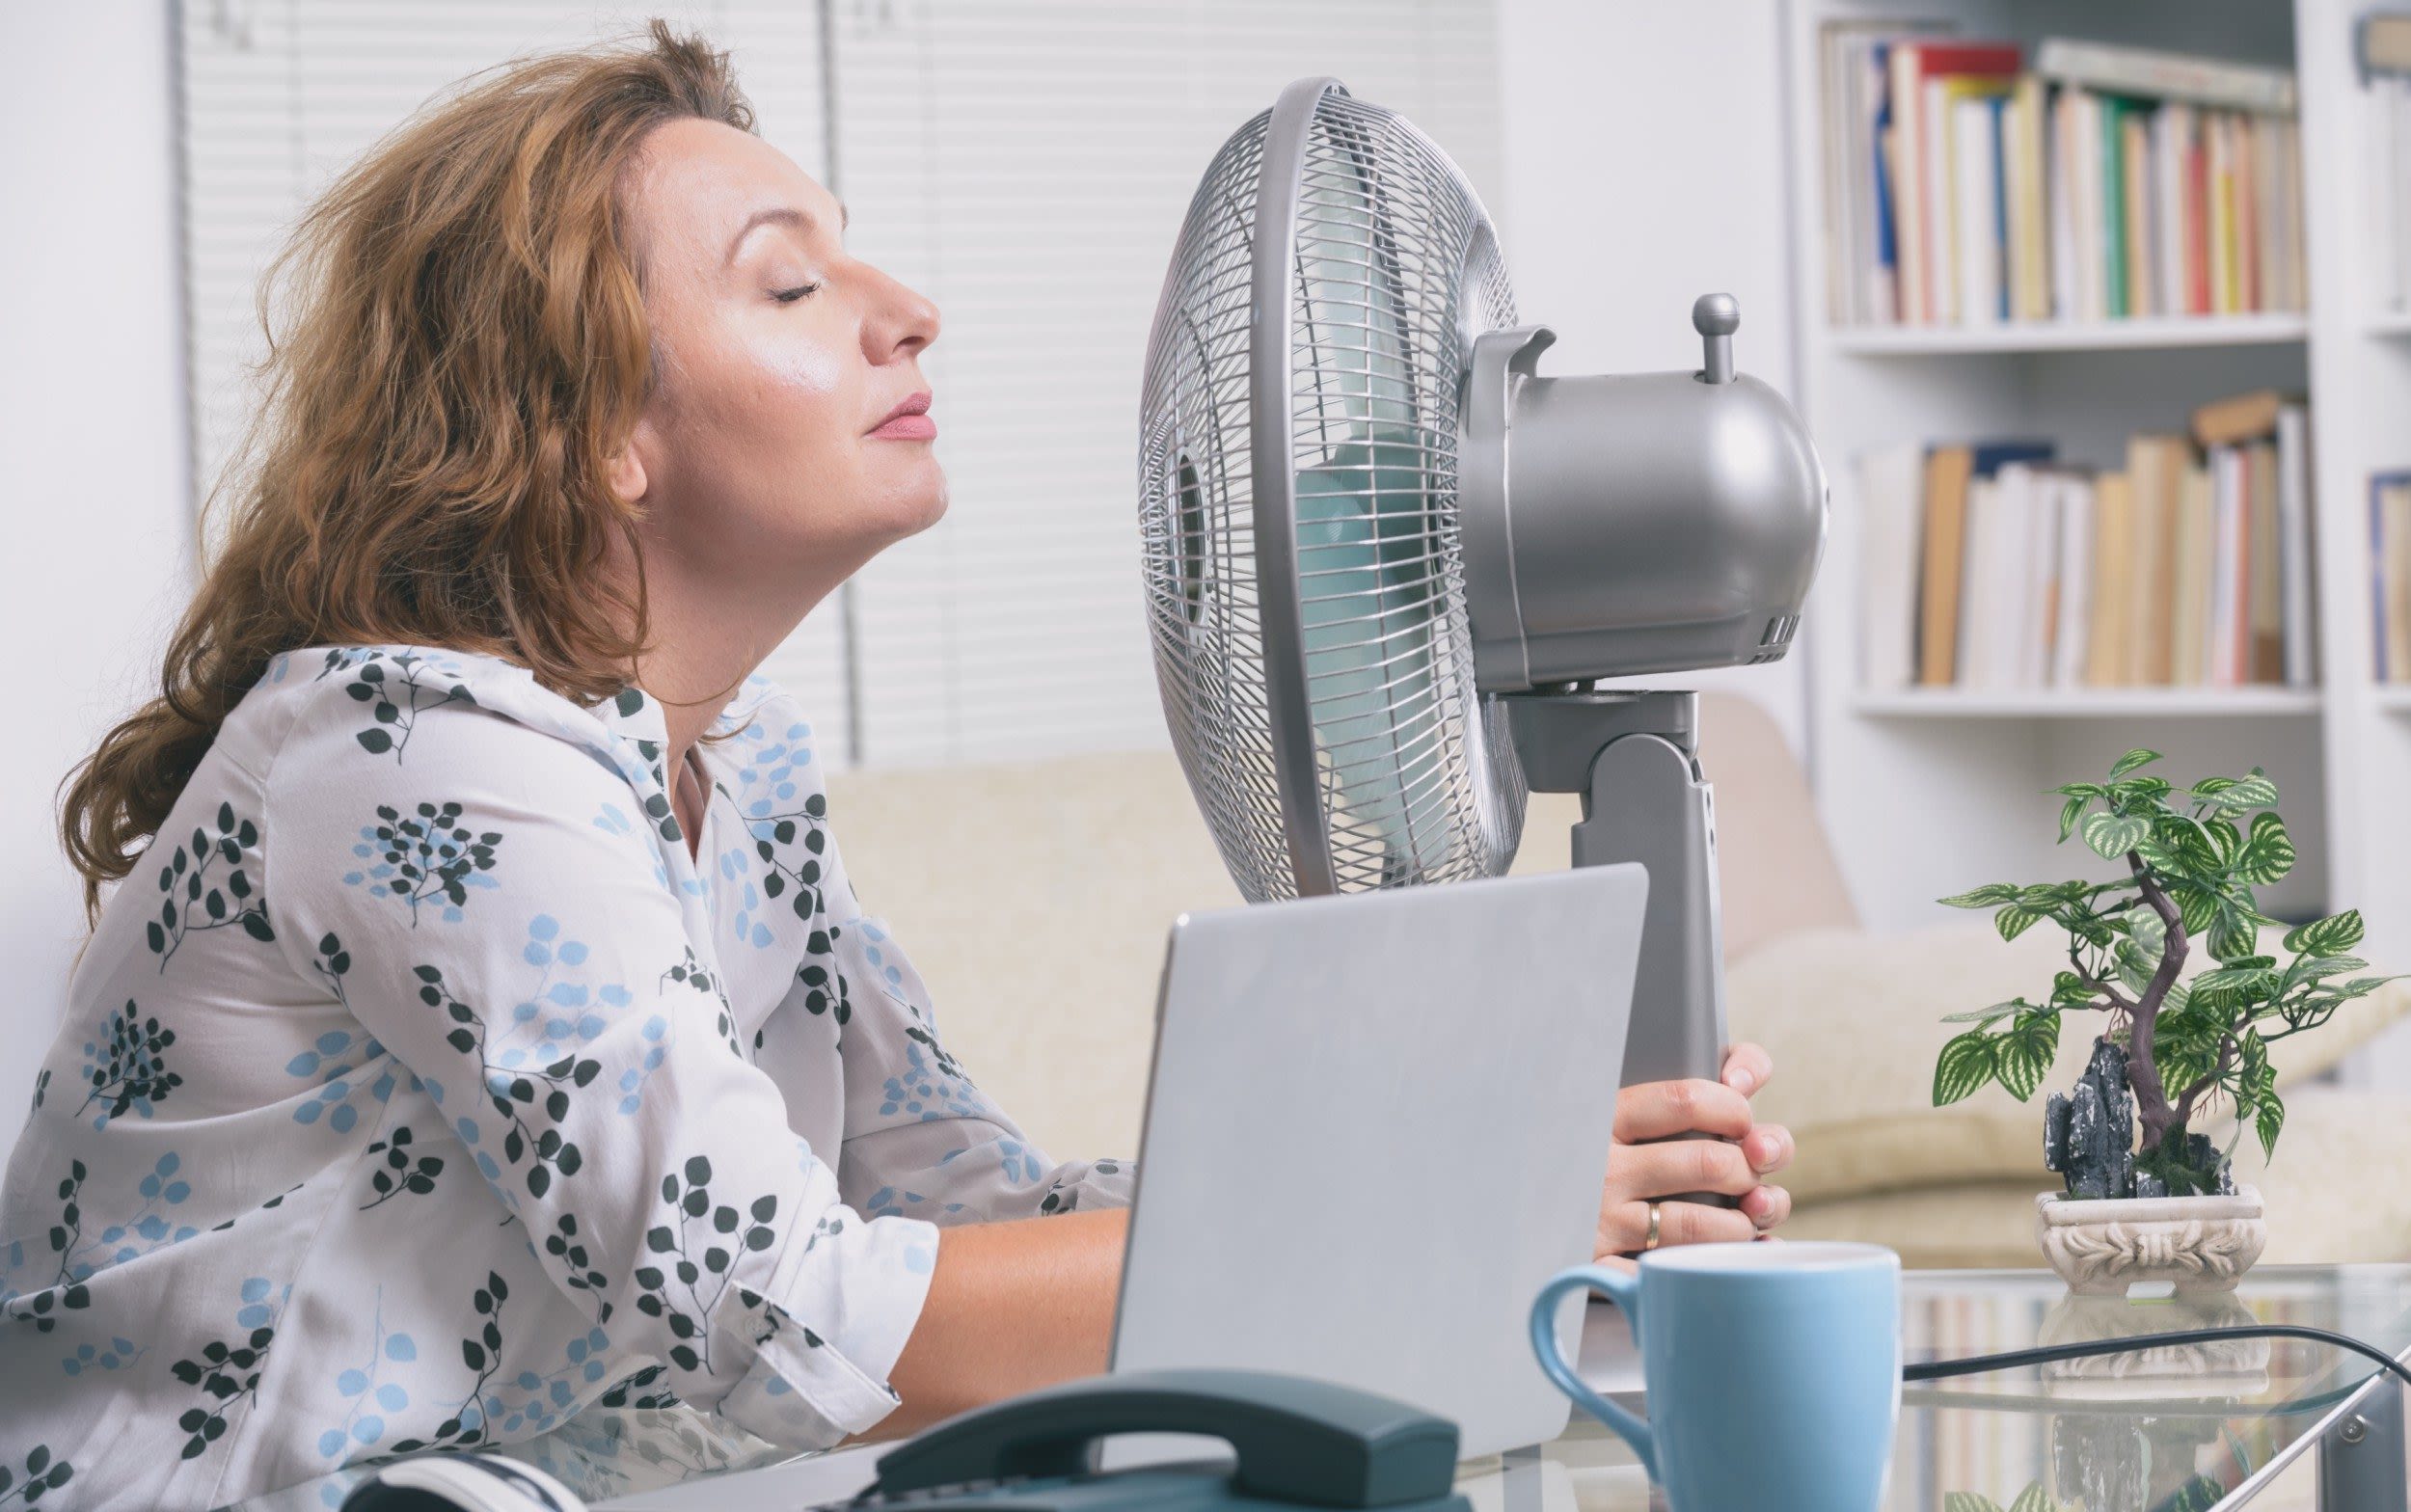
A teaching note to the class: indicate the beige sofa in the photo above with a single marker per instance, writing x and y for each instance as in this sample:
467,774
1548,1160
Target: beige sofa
1034,897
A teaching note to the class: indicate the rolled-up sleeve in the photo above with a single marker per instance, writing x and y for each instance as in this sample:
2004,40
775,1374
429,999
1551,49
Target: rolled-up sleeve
921,1138
419,885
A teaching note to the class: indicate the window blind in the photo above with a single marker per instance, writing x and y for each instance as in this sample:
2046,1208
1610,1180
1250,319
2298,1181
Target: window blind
1025,163
278,96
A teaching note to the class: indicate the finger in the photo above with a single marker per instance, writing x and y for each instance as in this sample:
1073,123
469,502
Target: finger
1747,1068
1767,1206
1654,1110
1639,1171
1768,1148
1627,1229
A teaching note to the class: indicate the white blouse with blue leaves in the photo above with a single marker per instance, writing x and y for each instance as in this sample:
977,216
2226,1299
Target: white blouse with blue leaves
420,1089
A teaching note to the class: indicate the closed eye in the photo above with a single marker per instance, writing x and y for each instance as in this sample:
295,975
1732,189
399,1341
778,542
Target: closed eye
788,296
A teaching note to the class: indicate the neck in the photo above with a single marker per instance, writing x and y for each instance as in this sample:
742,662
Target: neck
704,637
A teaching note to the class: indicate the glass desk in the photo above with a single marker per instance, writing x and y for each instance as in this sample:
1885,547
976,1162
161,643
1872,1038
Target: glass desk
2197,1428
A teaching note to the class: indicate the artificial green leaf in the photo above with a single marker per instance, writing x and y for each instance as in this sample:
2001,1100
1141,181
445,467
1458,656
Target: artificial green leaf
2068,815
2113,835
2081,790
1984,897
2233,936
2131,760
2266,1119
2137,793
2197,907
2311,968
2014,920
2239,976
2022,1056
1964,1064
2149,932
2254,791
2225,839
2187,847
2327,936
1984,1015
2268,854
2070,991
2210,787
2033,1499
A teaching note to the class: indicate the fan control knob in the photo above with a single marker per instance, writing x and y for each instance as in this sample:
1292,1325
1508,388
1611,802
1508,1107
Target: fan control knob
1716,317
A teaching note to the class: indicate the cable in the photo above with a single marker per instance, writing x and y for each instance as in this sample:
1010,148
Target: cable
1979,1364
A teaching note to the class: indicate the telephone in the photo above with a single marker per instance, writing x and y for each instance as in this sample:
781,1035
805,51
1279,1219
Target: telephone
1297,1444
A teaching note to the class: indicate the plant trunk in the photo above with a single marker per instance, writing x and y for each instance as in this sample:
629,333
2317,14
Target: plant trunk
2151,1106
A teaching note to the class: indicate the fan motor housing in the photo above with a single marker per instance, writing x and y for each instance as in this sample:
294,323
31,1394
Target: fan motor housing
1630,523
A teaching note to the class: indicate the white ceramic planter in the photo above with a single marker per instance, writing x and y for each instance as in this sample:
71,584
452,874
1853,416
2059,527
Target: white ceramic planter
2200,1243
2234,1367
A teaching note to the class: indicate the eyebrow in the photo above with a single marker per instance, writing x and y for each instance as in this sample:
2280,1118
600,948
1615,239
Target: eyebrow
781,215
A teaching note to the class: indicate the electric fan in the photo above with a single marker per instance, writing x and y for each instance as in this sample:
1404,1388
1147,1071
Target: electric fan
1386,558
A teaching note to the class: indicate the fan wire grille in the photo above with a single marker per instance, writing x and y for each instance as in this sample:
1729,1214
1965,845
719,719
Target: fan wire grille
1393,269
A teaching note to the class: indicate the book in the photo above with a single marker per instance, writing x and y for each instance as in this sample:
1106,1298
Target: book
2192,578
2134,166
1918,151
1976,190
1890,497
2263,660
2238,419
1949,470
2165,75
2024,163
2107,623
2072,607
2385,43
2111,141
2155,465
2074,199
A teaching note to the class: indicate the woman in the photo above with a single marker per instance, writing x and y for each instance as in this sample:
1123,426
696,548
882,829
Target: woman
490,1027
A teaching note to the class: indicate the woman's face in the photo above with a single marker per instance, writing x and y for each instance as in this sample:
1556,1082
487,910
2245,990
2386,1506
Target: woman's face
770,459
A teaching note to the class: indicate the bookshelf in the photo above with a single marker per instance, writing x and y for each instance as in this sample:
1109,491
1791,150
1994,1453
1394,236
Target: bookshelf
2089,703
2070,335
1894,768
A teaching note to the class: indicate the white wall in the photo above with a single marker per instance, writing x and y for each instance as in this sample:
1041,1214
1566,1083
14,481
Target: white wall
92,435
1645,168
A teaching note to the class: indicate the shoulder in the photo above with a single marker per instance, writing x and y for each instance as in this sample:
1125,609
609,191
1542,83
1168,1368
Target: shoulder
355,714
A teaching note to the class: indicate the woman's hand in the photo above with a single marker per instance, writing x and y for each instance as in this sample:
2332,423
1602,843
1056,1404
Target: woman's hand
1735,1162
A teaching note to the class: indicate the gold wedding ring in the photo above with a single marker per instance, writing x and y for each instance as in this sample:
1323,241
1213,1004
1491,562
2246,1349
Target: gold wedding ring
1651,1242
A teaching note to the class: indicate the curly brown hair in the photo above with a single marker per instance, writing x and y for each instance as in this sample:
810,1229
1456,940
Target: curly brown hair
465,353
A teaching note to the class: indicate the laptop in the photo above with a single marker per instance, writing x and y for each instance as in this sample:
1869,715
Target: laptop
1377,1123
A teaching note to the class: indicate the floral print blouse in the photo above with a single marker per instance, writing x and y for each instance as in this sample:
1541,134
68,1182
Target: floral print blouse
418,1089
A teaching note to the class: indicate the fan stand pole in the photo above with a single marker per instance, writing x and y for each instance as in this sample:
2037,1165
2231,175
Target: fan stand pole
1634,757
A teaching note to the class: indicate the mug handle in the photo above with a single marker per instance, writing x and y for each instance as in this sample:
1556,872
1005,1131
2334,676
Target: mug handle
1625,1292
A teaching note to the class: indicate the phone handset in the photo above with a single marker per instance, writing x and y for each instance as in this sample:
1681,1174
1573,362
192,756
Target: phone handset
1295,1440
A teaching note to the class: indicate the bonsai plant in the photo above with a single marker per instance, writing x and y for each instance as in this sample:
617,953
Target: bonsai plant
2168,1051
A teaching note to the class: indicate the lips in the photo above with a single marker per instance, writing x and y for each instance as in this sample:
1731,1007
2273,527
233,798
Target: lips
909,421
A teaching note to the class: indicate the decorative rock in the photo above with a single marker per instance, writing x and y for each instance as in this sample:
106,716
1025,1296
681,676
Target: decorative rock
2090,1138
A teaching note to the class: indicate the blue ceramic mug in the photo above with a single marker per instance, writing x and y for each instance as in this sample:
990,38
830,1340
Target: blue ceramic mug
1773,1371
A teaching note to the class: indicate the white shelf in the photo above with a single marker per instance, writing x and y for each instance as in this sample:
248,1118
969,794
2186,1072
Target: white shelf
1922,789
2090,335
2089,703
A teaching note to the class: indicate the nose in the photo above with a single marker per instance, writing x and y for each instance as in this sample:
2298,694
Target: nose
901,322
